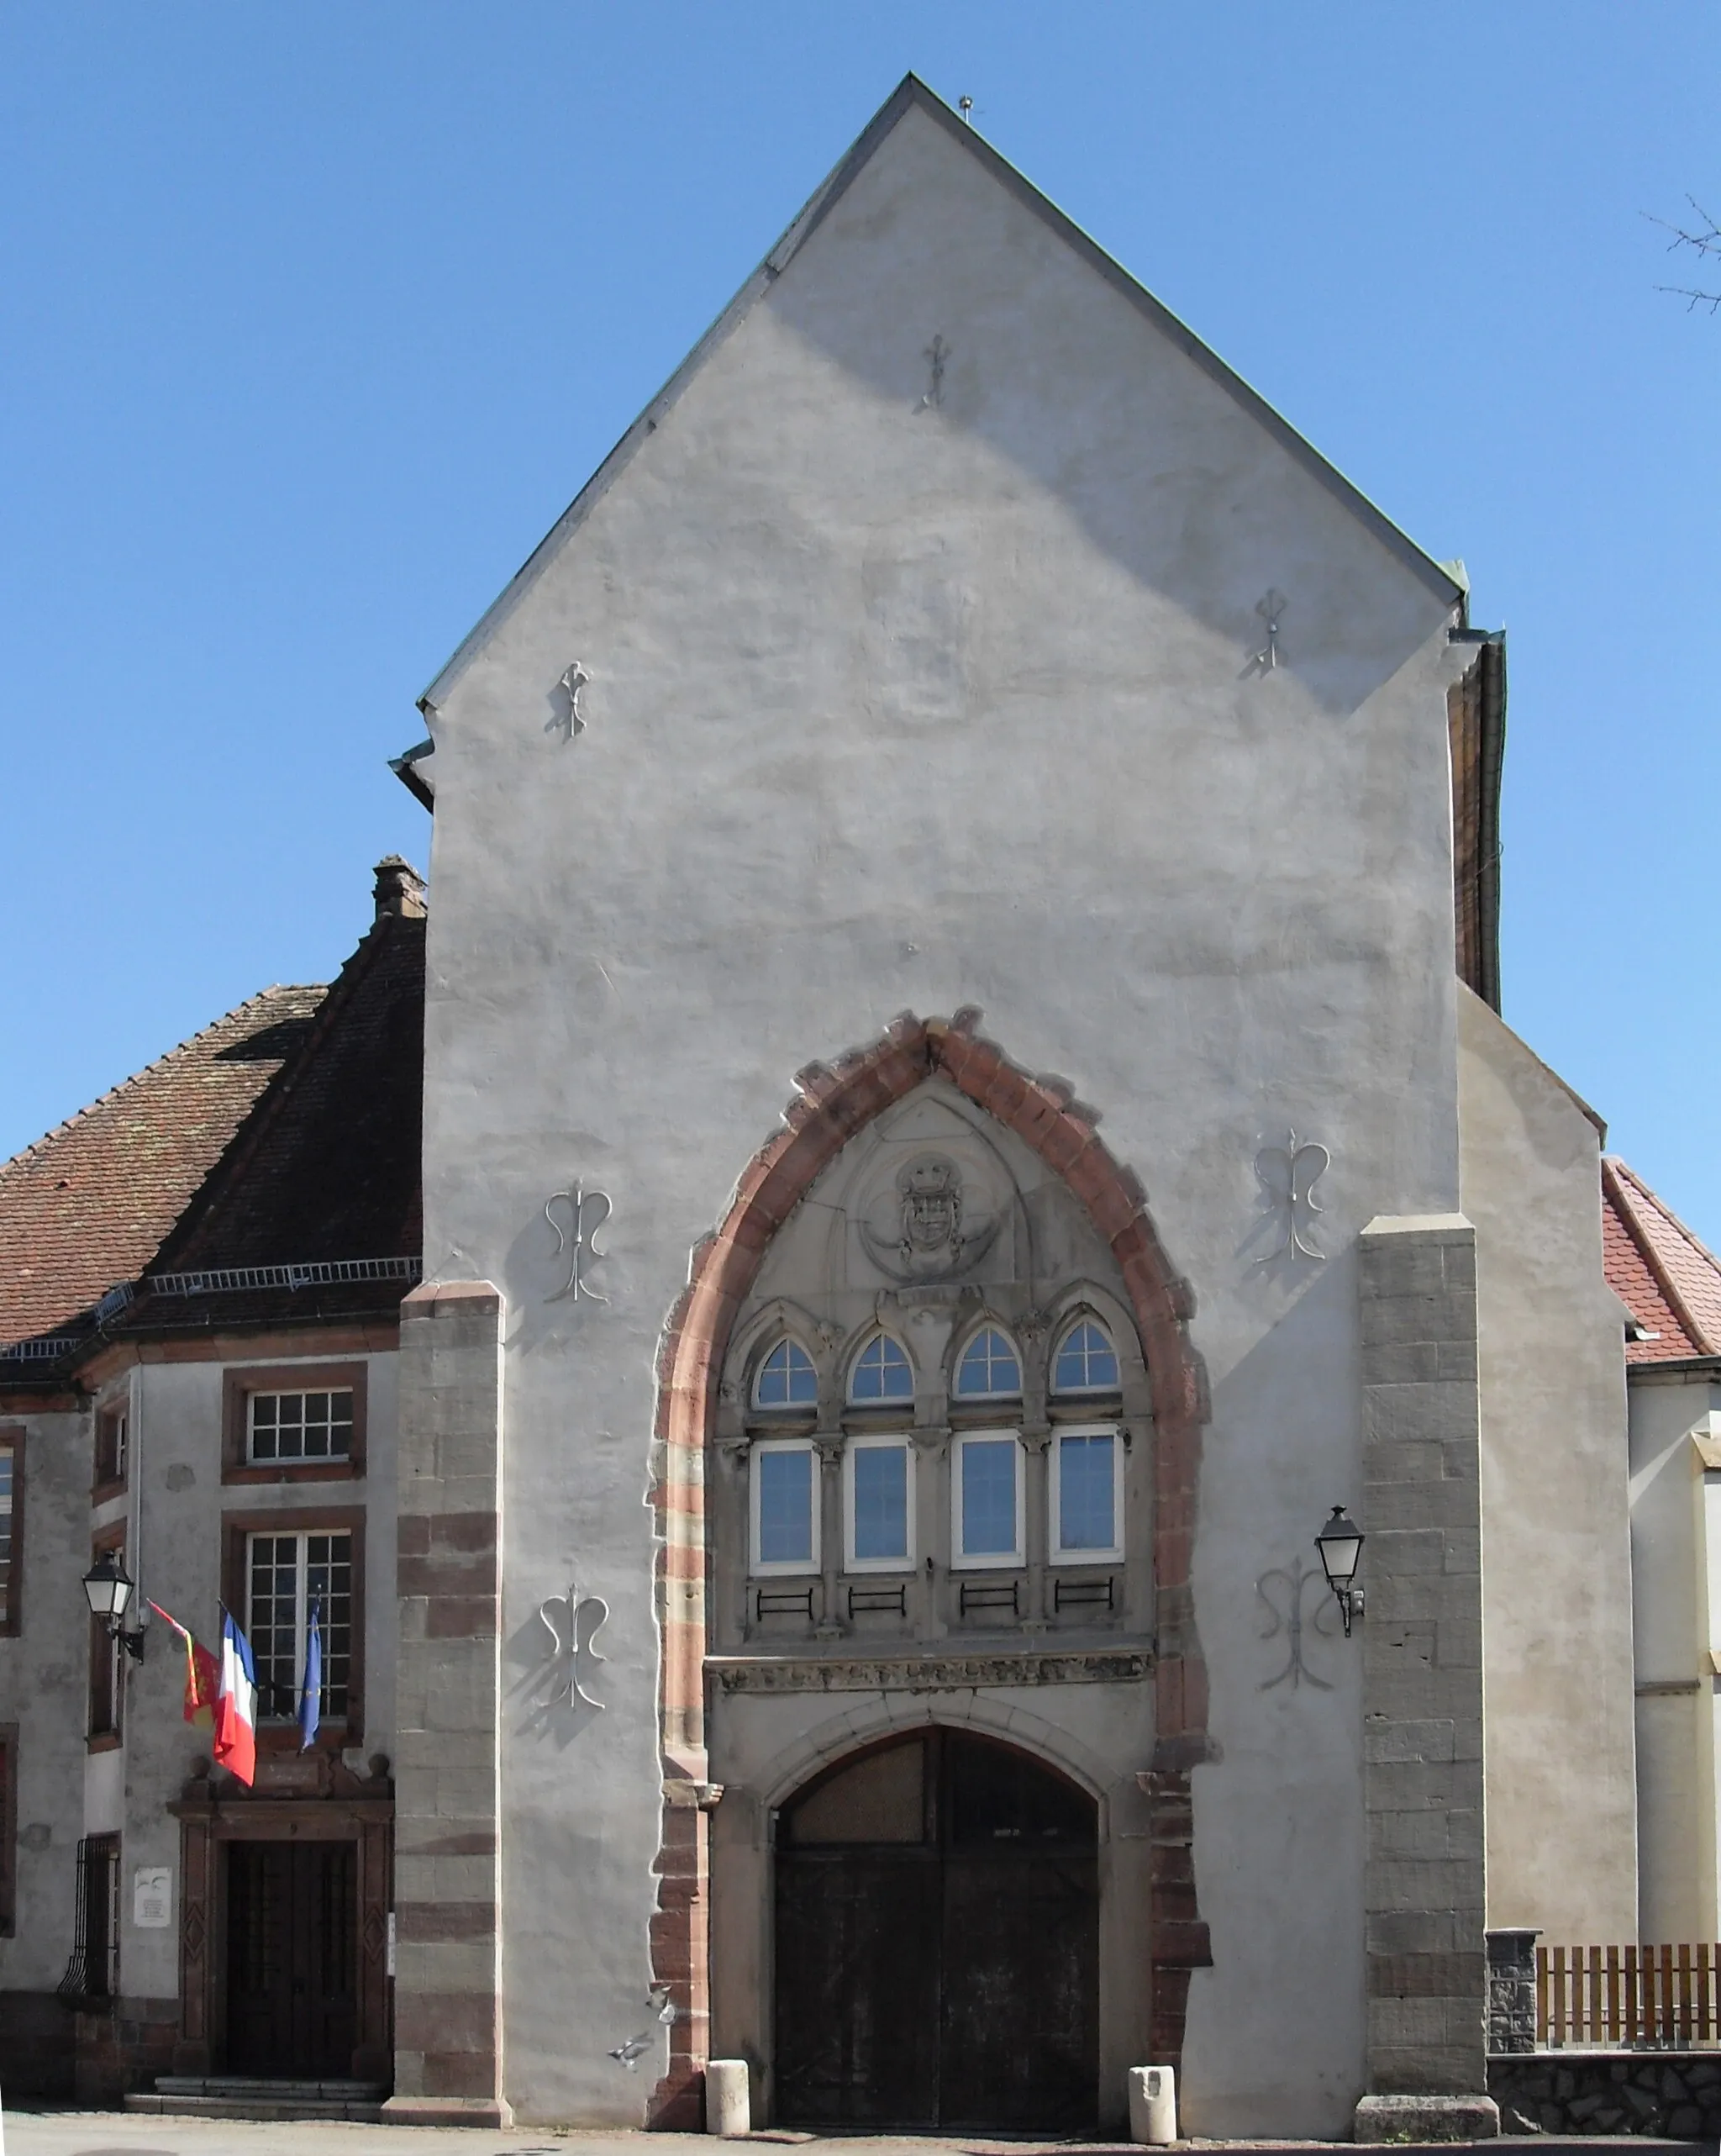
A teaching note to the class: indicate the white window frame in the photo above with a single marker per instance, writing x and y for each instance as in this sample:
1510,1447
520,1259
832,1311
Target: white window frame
800,1568
1056,1391
902,1402
783,1407
1056,1553
1003,1561
959,1398
901,1442
253,1458
301,1611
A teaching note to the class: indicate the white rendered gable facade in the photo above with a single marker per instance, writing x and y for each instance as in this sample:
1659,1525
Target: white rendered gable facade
922,666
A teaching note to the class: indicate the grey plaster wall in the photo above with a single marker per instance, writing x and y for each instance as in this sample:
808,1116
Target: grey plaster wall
43,1671
899,698
1557,1625
1676,1540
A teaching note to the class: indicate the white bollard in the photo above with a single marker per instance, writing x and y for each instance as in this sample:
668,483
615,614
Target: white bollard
1153,2105
727,2109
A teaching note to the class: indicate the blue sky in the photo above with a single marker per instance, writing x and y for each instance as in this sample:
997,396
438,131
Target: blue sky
316,317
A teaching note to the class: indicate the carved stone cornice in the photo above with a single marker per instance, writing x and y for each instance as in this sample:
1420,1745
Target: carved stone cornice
929,1673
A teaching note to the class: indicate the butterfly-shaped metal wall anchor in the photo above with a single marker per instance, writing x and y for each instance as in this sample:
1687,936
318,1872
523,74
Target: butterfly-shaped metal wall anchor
1289,1622
588,1210
573,1631
1288,1174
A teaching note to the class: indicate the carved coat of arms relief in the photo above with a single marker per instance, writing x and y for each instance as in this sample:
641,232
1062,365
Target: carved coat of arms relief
932,1237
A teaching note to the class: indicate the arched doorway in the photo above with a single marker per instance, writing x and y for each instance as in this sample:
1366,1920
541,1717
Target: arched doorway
938,1942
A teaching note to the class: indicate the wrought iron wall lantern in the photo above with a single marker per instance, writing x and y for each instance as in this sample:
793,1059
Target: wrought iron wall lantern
1340,1546
107,1589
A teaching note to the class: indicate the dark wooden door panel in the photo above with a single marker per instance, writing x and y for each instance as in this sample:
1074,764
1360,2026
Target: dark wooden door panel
1019,2042
857,2003
937,1944
291,1958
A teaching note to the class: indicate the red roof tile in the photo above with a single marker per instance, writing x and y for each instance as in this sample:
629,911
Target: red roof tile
1666,1278
89,1204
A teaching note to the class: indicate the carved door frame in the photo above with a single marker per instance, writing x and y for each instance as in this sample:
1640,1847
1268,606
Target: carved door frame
313,1798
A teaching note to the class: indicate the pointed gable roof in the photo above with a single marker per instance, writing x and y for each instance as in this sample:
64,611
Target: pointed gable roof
912,94
1668,1280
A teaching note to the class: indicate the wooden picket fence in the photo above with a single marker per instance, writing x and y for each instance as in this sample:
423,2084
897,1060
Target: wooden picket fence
1629,1998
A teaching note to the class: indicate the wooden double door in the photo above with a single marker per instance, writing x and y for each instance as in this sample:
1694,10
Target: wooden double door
937,1944
292,1958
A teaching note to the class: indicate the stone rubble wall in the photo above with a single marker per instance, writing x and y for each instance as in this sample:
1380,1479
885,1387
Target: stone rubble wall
1671,2094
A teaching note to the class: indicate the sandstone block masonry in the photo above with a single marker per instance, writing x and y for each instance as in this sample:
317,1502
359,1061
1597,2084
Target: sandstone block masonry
1426,1955
448,1974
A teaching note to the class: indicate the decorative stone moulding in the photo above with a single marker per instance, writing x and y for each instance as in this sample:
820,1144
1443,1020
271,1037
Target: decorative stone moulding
835,1102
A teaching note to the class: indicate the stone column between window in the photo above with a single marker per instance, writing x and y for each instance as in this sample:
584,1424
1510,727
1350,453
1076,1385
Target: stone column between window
1421,1641
448,1952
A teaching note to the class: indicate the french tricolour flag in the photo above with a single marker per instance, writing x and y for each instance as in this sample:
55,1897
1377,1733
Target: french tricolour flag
236,1705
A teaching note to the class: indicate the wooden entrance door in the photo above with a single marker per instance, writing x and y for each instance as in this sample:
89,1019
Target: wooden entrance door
937,1944
291,1958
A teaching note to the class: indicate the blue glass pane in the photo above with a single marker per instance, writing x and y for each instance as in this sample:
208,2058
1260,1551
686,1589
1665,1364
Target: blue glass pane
989,1497
1086,1362
1087,1494
988,1369
881,1372
882,1501
784,1507
787,1378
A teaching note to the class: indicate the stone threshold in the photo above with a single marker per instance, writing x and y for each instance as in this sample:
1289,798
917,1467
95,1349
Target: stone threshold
266,2101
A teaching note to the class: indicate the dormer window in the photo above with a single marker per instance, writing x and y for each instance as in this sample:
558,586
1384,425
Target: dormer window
990,1368
1086,1360
880,1372
787,1378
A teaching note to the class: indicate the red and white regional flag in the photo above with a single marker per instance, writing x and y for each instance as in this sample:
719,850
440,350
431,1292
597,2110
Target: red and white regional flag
236,1705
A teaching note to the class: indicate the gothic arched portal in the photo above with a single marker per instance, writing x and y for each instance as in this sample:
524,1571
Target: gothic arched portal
834,1103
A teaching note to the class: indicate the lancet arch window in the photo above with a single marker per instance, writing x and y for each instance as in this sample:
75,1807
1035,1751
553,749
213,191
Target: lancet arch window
1085,1361
785,1377
881,1374
988,1368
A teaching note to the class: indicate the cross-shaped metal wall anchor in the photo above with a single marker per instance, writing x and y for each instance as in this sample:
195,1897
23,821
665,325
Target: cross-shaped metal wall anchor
936,353
1270,608
588,1210
572,682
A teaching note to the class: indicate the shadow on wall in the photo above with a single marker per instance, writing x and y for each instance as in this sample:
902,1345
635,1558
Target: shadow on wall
1088,395
1283,1447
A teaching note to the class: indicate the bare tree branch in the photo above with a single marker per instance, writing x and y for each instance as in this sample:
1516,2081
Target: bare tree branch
1706,241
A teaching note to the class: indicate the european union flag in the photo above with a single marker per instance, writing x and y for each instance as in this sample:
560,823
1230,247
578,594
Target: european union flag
311,1691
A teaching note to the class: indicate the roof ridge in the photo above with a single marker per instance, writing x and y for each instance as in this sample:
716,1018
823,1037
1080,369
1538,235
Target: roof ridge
912,92
136,1078
1634,1187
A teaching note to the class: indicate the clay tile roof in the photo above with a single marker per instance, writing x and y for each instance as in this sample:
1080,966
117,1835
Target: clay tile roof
89,1204
1666,1278
330,1167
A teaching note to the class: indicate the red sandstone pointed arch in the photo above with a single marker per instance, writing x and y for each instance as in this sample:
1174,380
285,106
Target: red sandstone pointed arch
835,1102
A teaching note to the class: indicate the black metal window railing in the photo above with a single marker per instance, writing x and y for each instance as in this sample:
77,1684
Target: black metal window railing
93,1972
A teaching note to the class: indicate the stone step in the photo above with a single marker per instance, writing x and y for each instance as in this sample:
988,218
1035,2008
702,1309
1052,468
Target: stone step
270,2110
270,2099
